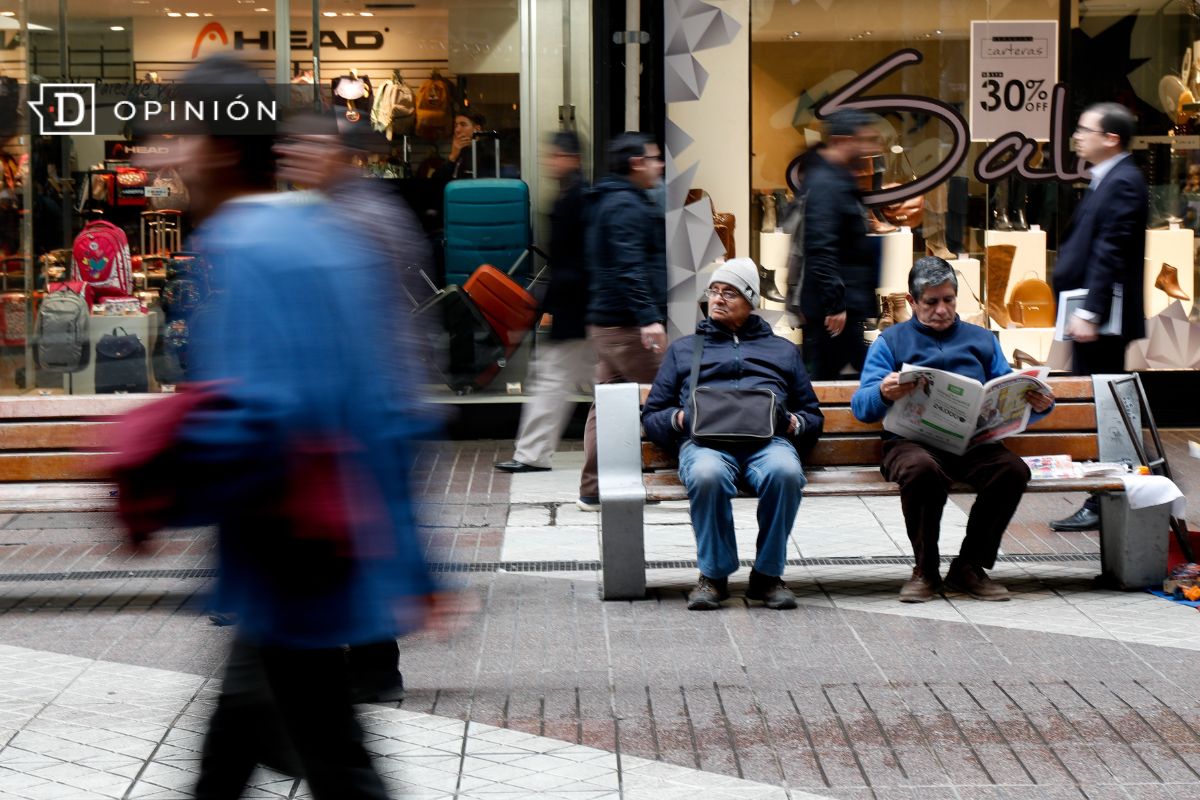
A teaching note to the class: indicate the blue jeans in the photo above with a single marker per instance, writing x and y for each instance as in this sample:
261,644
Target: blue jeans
711,478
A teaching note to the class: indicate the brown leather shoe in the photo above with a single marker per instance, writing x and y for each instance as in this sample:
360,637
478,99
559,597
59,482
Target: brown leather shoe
918,588
1168,281
975,582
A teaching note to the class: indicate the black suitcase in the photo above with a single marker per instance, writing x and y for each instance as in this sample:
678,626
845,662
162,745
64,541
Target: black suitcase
463,347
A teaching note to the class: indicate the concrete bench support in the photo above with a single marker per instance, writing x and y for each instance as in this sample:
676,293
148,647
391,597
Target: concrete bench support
1133,542
622,495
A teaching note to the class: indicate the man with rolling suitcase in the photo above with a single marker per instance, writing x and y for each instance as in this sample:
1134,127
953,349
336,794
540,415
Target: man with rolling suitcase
626,254
566,360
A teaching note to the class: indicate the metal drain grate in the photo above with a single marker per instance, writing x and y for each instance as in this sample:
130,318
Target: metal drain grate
540,566
833,561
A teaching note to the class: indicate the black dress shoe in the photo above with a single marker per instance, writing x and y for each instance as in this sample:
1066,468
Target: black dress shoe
1082,520
517,466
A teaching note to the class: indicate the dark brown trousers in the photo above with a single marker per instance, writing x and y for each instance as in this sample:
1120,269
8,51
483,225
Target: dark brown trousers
996,474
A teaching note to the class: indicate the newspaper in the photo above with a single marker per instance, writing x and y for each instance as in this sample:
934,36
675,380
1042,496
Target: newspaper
1062,466
955,413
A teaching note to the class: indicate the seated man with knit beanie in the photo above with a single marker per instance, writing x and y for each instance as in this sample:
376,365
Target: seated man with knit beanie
737,350
936,337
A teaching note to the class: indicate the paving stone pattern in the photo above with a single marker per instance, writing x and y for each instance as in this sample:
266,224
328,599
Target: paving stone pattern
1065,692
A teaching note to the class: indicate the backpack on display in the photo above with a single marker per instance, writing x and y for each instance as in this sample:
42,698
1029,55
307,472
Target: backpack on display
120,363
394,112
61,334
100,258
435,109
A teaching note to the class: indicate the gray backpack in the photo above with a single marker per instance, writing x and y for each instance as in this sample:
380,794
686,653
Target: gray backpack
61,335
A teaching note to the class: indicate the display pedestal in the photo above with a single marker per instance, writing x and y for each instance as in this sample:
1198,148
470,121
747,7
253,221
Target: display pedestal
969,277
1034,341
1172,247
895,260
774,249
84,381
1028,262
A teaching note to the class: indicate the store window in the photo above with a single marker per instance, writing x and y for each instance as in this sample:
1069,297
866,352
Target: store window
992,154
464,99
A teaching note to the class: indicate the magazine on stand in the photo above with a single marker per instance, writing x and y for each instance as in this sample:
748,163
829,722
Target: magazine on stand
955,413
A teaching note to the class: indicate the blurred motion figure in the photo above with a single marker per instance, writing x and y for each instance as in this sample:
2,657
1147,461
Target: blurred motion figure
302,457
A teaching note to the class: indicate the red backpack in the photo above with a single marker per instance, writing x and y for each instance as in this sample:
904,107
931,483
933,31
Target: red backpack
435,109
100,258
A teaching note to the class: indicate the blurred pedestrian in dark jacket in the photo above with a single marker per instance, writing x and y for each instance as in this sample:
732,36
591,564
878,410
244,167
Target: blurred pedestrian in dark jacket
626,253
566,362
841,265
303,463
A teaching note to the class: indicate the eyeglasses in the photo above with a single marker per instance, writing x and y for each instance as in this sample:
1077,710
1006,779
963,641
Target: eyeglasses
1086,129
724,294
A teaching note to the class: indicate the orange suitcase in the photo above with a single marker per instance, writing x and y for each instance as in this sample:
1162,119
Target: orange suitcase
506,305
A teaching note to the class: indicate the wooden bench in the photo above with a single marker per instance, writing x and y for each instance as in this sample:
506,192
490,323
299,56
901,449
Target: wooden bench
51,449
845,462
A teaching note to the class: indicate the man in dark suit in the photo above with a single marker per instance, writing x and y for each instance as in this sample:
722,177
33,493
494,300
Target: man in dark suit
1104,248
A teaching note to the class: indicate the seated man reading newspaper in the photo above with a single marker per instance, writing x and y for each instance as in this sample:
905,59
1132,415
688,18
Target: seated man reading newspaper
940,386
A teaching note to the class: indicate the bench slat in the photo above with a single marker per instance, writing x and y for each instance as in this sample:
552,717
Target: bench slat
50,466
852,451
665,486
1066,417
71,406
57,435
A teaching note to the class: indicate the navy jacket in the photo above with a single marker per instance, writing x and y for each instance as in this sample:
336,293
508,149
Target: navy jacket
1106,244
626,254
841,265
752,358
567,297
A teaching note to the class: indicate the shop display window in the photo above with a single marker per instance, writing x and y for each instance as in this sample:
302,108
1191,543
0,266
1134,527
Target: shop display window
399,74
1017,75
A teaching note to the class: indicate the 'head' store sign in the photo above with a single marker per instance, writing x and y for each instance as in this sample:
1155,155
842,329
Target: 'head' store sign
213,37
164,40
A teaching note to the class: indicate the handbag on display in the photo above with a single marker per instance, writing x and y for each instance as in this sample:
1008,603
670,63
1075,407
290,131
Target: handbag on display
723,416
1032,304
121,363
910,212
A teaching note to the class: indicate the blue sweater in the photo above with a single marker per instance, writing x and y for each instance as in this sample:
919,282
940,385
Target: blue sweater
964,349
304,335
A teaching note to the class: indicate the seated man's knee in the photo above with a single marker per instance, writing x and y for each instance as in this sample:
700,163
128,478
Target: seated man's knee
789,474
1013,473
707,471
916,467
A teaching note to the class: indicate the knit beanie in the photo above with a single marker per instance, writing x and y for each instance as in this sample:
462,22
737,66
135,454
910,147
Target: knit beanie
741,274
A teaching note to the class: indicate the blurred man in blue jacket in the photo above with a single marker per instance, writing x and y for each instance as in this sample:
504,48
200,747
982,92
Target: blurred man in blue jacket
304,463
739,350
936,337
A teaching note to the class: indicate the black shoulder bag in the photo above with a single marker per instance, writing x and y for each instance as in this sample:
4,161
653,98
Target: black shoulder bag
723,416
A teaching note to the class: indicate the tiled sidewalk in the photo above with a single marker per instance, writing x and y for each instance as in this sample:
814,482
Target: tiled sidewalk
1065,692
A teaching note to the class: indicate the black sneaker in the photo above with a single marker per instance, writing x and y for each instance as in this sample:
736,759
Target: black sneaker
708,594
771,590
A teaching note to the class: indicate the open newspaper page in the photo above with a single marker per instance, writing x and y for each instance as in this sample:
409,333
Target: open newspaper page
940,412
954,413
1004,411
